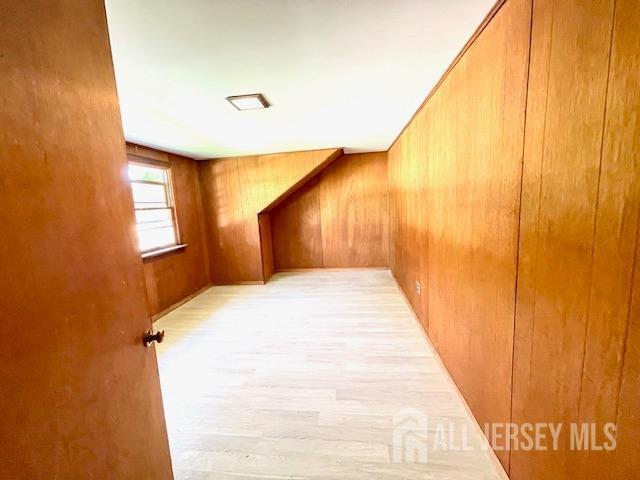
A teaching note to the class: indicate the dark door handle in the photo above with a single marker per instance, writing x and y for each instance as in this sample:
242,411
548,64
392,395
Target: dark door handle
150,337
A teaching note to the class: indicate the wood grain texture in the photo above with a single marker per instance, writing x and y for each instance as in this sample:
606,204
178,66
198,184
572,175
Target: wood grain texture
354,211
454,179
579,227
621,154
625,461
408,238
80,395
338,220
235,190
297,230
174,276
576,331
229,252
266,245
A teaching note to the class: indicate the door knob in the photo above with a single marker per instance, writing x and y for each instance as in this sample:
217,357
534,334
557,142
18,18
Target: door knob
150,337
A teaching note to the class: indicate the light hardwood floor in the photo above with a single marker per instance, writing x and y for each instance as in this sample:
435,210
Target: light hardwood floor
301,379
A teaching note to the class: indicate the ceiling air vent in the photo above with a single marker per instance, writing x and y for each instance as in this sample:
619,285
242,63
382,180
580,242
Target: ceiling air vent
254,101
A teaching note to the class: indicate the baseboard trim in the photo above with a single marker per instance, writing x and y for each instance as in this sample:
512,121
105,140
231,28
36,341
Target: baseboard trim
334,269
436,355
245,282
179,303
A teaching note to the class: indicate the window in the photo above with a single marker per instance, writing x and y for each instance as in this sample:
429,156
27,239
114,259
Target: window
153,203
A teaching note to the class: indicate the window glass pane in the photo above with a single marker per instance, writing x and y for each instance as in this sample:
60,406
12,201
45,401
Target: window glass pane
147,173
148,195
153,208
147,219
156,237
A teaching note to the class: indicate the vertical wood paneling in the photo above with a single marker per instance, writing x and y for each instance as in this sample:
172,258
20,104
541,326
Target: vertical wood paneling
235,191
409,157
266,245
173,277
625,461
622,156
578,234
297,230
455,183
615,247
575,358
224,219
340,219
353,211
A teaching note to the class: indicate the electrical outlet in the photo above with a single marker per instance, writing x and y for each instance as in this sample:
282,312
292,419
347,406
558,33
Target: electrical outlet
418,288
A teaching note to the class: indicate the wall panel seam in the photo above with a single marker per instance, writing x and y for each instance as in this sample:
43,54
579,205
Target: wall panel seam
626,330
595,214
515,286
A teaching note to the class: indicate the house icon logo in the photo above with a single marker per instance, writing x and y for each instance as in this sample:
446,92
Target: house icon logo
410,442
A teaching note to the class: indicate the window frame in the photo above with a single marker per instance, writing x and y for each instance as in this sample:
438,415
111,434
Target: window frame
171,204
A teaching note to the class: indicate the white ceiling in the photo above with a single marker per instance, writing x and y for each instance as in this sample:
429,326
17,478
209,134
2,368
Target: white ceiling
339,73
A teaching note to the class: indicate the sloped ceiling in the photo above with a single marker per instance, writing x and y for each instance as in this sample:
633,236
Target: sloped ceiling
339,73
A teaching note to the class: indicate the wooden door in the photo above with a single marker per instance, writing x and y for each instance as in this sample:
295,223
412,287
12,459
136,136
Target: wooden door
79,393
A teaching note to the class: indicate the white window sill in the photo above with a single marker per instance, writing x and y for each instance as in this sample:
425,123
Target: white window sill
162,251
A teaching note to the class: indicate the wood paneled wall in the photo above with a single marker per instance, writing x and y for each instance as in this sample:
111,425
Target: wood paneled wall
455,180
235,191
339,219
79,395
174,276
526,244
579,235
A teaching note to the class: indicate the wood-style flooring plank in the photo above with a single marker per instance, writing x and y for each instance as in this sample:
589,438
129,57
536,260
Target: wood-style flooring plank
301,379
